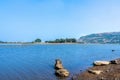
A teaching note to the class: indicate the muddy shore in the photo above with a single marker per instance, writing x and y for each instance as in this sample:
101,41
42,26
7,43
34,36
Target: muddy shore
109,72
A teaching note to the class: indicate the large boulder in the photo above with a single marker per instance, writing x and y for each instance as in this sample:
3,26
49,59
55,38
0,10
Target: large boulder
97,72
101,63
58,64
62,73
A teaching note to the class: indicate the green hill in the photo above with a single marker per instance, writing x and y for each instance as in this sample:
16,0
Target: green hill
102,38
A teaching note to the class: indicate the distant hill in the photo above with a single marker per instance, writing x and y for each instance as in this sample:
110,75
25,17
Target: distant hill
102,38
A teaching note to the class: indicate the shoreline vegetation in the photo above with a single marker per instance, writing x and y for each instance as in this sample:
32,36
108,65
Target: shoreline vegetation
30,43
39,41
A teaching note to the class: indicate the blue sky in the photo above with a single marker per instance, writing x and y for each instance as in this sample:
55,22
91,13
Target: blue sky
26,20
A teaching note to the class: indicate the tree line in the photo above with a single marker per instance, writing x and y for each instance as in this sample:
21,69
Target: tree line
67,40
38,40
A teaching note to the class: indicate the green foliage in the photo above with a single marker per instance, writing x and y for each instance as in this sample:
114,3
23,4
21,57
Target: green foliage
67,40
37,40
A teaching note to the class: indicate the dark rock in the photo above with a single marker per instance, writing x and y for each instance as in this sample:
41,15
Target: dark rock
114,62
113,50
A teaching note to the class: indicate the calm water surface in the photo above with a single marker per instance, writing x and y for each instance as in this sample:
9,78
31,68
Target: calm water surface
36,62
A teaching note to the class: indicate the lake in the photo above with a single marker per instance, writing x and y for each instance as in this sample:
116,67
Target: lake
36,62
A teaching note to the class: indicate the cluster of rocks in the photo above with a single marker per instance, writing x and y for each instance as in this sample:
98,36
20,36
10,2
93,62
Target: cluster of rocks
101,63
102,70
60,70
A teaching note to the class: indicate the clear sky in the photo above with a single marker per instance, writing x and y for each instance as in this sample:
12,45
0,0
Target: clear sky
26,20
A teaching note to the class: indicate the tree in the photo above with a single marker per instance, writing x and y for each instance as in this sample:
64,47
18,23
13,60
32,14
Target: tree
37,40
62,40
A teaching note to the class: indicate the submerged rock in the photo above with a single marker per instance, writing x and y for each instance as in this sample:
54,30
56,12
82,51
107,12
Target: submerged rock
62,73
101,63
113,50
58,64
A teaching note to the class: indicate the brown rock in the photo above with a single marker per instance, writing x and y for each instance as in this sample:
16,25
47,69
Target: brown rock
58,64
95,71
62,73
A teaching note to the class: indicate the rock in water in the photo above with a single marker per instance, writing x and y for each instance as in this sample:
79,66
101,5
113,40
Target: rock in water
58,64
62,73
101,63
113,50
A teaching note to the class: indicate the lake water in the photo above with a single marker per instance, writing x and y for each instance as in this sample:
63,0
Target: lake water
36,62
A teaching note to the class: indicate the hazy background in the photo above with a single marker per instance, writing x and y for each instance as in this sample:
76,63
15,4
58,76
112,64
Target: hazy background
26,20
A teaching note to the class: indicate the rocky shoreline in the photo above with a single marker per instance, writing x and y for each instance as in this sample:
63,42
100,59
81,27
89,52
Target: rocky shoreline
101,71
